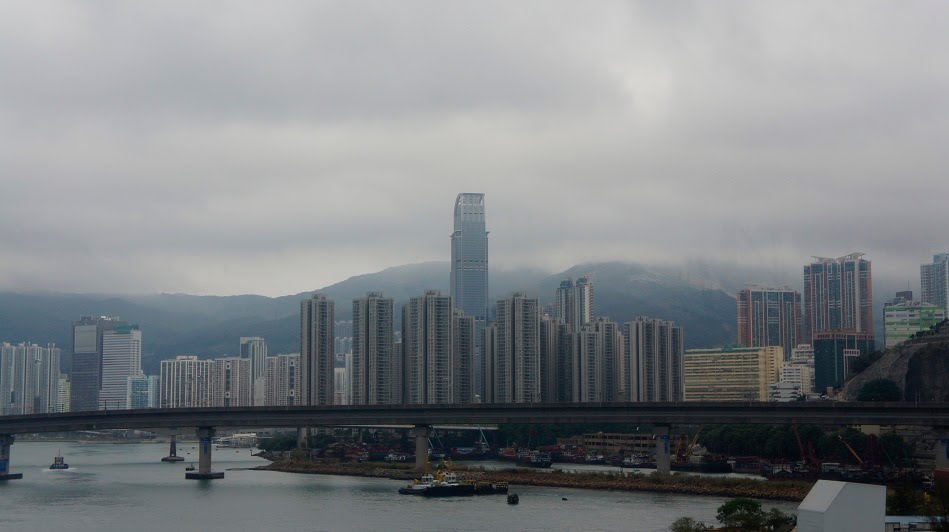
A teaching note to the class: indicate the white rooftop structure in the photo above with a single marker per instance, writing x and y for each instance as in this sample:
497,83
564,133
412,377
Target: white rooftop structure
833,506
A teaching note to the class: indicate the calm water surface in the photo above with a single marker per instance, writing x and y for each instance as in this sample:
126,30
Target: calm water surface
125,487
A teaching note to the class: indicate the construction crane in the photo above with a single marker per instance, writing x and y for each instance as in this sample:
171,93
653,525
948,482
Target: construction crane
808,457
694,441
684,447
849,448
680,448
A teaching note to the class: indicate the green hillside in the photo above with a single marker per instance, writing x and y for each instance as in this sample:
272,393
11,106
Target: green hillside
209,326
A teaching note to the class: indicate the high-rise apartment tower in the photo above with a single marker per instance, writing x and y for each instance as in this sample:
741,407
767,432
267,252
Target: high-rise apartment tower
652,369
934,280
769,317
376,369
317,350
514,351
254,348
427,345
838,296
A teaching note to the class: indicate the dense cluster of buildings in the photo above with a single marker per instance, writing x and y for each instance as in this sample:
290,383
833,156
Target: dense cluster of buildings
822,333
457,348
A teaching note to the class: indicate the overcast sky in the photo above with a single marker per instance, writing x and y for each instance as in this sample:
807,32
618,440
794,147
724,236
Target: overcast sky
275,147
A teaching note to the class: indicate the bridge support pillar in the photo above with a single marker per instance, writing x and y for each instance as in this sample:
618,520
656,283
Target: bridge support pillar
662,449
421,434
204,456
303,439
942,449
6,441
173,451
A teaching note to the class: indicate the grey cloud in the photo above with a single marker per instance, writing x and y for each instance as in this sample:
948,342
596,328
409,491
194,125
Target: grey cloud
186,147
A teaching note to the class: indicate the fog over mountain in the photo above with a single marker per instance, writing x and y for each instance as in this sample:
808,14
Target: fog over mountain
699,297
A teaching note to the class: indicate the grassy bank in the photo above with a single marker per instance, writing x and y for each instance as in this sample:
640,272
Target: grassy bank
684,484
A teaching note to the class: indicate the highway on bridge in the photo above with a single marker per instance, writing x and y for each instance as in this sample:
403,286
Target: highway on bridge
205,421
804,412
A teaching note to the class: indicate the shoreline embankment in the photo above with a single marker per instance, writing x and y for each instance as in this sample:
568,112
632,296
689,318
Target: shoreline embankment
678,484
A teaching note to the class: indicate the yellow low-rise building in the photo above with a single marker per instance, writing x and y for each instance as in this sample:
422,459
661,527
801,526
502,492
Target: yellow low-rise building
731,373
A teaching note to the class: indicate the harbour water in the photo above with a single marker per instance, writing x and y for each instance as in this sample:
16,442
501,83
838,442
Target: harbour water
125,487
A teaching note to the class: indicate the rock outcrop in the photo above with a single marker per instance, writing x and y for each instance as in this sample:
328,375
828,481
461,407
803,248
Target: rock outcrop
920,366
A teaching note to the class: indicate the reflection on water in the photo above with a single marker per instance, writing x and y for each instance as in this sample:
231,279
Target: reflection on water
127,487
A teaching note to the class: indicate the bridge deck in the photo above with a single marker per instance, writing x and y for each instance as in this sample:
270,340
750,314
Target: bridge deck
805,412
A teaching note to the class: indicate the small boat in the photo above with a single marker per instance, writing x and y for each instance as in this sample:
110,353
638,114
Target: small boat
59,462
190,467
513,499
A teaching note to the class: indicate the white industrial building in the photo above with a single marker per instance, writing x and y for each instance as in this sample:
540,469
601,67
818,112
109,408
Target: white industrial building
833,506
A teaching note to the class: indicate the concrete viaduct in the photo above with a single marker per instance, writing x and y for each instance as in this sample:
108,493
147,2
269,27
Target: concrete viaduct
423,417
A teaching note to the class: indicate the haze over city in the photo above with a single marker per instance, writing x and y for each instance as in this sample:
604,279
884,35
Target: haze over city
193,148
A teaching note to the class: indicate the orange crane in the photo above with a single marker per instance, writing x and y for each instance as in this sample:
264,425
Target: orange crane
849,448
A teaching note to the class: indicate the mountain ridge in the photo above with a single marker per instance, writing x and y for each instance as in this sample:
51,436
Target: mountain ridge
209,326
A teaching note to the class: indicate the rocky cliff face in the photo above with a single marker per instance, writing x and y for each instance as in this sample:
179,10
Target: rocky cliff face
920,367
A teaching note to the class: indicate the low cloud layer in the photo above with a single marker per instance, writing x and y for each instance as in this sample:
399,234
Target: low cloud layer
248,148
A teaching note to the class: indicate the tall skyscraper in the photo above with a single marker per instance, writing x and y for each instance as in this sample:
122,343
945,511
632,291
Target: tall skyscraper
283,380
838,296
317,350
121,359
652,369
254,348
551,331
339,385
63,404
598,362
29,379
515,351
186,382
427,344
376,370
231,382
86,373
143,391
575,302
769,317
469,269
934,281
492,378
463,350
589,379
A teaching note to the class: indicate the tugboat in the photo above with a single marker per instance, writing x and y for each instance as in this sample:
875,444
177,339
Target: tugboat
444,484
190,467
58,462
